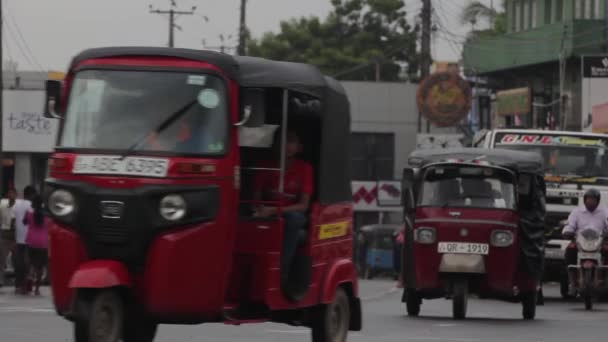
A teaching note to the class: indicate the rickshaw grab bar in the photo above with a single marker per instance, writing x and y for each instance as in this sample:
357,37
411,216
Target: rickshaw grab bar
471,221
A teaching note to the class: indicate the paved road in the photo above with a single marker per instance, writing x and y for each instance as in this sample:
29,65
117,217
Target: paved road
33,320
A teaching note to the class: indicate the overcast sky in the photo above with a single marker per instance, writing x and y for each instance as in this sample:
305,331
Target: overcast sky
49,32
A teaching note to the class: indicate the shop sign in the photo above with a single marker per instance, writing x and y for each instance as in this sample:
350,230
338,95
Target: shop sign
531,139
595,66
444,98
513,102
24,128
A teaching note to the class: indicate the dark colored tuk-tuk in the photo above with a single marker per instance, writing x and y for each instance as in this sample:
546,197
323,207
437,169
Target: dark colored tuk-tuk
474,224
151,194
377,243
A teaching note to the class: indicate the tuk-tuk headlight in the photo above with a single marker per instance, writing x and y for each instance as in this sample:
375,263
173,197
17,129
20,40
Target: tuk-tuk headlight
61,203
172,207
502,238
425,235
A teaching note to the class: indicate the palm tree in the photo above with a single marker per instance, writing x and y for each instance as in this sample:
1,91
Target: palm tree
477,10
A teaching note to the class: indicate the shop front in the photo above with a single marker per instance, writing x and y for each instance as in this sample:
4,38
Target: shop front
28,139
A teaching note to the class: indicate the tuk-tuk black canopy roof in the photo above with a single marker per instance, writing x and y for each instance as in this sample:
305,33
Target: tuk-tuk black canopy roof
251,72
520,161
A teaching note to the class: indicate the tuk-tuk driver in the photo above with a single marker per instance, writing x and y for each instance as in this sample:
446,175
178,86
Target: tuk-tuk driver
593,216
297,192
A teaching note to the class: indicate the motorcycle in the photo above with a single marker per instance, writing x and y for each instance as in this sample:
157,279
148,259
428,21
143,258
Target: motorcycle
589,269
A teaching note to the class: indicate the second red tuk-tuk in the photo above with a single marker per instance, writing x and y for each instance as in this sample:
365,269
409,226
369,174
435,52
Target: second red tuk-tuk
474,224
150,191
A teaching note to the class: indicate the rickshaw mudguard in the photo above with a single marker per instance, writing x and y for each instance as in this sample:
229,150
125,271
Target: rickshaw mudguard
341,273
98,274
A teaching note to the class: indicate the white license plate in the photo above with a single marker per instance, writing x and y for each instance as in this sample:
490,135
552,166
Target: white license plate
115,165
463,248
583,255
554,253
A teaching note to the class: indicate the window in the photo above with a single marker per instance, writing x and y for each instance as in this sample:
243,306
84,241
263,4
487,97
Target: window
373,156
559,10
526,15
578,9
548,9
517,16
588,9
533,13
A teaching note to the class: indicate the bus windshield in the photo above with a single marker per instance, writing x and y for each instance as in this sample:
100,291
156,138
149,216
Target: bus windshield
564,155
467,186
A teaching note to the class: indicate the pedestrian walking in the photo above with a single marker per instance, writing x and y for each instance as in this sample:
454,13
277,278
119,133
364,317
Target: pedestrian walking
37,241
7,230
20,264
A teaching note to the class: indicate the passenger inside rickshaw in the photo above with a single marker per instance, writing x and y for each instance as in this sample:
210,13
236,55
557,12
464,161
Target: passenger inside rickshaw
260,173
477,193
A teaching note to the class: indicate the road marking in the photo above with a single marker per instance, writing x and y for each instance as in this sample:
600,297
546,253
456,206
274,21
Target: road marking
442,339
380,295
21,309
292,332
446,325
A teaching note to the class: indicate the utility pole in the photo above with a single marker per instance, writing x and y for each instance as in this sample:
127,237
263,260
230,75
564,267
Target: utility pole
172,12
425,49
222,47
242,49
2,189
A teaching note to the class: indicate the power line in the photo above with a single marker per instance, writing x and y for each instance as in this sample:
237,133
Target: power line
21,49
172,12
20,40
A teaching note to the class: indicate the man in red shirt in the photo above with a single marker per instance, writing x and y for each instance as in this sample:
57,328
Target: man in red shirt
295,199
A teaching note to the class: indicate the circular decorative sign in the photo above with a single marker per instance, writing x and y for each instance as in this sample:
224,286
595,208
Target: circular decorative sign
444,98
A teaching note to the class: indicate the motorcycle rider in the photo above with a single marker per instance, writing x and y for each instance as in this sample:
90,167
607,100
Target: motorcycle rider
590,216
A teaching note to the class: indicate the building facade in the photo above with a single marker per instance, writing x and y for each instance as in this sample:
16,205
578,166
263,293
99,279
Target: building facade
27,136
541,51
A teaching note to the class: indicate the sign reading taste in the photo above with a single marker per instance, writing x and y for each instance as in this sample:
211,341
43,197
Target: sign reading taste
25,129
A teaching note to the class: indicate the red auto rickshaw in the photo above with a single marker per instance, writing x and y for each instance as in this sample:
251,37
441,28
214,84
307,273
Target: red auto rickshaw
474,224
150,191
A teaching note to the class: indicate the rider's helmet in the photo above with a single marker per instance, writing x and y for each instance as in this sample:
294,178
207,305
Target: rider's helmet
593,193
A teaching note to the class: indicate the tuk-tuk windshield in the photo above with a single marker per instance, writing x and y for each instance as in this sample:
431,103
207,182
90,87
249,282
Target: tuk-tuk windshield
467,186
112,110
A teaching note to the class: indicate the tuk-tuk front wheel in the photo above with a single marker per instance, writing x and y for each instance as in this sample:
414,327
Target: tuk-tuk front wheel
588,289
528,302
102,321
460,299
332,321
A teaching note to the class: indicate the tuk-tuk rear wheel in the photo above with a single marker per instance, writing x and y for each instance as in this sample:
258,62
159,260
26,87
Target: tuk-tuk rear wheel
332,321
103,320
412,303
460,299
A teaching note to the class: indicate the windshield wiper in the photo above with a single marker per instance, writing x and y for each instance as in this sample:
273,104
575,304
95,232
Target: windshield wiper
160,128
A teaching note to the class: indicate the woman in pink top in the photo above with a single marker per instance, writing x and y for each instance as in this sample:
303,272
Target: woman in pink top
37,240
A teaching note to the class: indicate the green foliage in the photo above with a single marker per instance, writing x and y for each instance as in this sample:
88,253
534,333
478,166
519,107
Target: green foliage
355,36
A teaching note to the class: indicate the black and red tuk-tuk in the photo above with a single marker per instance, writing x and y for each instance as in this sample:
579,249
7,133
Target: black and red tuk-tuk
474,224
150,192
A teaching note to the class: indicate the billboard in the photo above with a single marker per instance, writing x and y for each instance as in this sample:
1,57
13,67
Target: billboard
444,98
514,102
594,99
24,127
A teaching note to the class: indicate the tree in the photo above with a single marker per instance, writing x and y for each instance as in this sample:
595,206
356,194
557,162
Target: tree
476,11
356,36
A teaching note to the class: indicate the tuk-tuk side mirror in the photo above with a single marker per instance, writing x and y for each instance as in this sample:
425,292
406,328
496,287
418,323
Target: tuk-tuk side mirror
52,103
408,196
253,112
